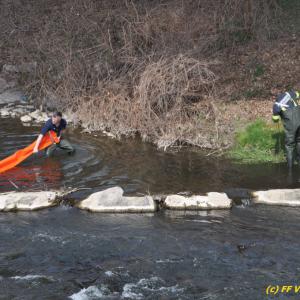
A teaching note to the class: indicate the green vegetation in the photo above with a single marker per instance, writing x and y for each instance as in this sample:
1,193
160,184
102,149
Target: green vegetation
259,142
259,70
289,4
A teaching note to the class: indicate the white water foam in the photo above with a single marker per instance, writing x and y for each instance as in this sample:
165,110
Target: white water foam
45,236
32,277
90,293
168,261
109,273
152,285
129,294
134,291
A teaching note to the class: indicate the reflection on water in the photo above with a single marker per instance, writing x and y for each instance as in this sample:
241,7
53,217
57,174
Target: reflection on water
47,174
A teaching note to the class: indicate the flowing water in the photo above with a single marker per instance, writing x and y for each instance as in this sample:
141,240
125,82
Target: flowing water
63,252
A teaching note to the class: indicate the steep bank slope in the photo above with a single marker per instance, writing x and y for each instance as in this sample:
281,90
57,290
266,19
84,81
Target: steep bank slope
174,72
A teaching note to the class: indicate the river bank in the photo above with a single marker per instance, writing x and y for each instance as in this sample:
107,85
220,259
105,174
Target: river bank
153,71
213,128
256,141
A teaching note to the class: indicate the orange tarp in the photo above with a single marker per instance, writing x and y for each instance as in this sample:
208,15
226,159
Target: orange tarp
21,155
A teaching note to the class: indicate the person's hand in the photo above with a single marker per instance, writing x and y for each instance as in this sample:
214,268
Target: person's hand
35,150
51,139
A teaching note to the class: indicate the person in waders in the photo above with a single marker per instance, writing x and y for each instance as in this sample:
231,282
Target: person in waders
57,124
287,109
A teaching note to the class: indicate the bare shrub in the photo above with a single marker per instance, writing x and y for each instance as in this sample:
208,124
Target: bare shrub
111,109
168,102
132,66
166,93
238,22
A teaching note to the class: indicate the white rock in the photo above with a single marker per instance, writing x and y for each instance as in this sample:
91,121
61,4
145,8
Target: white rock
4,112
113,201
288,197
27,200
22,68
27,107
10,68
11,97
35,114
19,111
39,116
42,118
211,201
109,134
26,119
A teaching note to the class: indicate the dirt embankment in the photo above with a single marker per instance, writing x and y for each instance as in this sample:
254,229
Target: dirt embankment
174,72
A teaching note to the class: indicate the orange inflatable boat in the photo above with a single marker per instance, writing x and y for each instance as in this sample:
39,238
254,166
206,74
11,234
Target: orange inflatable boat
21,155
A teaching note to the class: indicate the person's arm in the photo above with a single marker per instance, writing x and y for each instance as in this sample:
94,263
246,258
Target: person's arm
276,112
37,143
44,130
61,132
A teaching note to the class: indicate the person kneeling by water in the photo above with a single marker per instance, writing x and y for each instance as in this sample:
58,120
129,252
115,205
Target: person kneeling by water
58,125
286,108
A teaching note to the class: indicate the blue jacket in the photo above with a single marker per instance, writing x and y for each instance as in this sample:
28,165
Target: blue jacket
50,126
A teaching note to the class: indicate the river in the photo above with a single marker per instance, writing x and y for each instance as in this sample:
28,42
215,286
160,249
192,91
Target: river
63,252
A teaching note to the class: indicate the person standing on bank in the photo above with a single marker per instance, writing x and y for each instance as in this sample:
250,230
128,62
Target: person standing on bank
58,125
287,109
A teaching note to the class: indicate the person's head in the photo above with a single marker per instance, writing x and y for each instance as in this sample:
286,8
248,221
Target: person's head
56,117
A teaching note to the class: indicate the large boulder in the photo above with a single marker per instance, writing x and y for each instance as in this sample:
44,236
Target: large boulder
29,67
26,119
113,201
39,116
11,97
210,201
4,112
27,200
288,197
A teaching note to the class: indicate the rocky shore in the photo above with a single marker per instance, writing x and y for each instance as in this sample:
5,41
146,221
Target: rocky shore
14,102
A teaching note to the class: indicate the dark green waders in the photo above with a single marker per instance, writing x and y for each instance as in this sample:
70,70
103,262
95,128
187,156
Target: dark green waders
291,124
63,144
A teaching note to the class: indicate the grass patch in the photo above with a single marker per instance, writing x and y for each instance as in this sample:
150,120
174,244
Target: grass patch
259,71
259,142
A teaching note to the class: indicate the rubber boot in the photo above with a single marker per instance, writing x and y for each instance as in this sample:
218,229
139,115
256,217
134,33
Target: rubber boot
290,158
298,153
290,163
290,177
